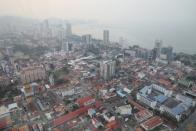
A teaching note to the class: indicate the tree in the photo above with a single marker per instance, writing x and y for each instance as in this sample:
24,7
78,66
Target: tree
75,107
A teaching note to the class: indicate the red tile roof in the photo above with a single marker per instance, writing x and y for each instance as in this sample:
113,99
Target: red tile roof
112,125
152,123
136,105
164,82
138,129
143,115
60,120
3,124
83,100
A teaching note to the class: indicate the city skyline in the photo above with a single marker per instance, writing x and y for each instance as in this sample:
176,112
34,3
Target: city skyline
97,65
140,22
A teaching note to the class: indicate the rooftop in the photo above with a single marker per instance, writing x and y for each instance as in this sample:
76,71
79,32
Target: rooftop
152,123
3,110
5,122
143,115
171,103
60,120
81,101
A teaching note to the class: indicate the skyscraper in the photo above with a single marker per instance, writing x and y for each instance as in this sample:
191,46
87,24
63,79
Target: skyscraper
158,44
107,69
168,51
9,51
68,29
66,46
87,39
106,39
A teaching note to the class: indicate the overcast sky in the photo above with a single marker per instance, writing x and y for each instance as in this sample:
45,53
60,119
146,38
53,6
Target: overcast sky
119,11
145,14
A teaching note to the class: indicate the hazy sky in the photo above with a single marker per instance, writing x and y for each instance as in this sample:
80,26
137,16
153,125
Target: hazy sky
104,10
162,16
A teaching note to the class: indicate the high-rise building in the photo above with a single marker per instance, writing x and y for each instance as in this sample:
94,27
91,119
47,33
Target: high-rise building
106,39
168,51
68,29
158,44
107,69
32,74
46,30
87,39
66,46
9,51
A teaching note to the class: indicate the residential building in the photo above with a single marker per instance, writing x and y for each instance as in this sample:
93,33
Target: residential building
10,51
158,44
124,110
168,51
152,123
107,69
87,39
4,81
108,116
68,30
31,74
106,39
85,101
143,115
66,46
4,112
97,123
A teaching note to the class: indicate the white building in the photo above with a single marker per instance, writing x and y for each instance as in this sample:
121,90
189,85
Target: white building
181,106
127,90
108,117
13,107
144,95
4,111
124,110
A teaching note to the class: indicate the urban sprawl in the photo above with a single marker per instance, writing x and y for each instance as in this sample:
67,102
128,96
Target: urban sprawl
54,80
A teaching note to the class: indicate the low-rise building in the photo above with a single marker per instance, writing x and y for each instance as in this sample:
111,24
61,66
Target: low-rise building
152,123
108,116
85,101
96,123
177,107
13,107
143,115
124,110
4,111
91,112
153,95
4,81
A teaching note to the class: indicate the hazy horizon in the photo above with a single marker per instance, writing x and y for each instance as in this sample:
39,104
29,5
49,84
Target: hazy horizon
138,21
